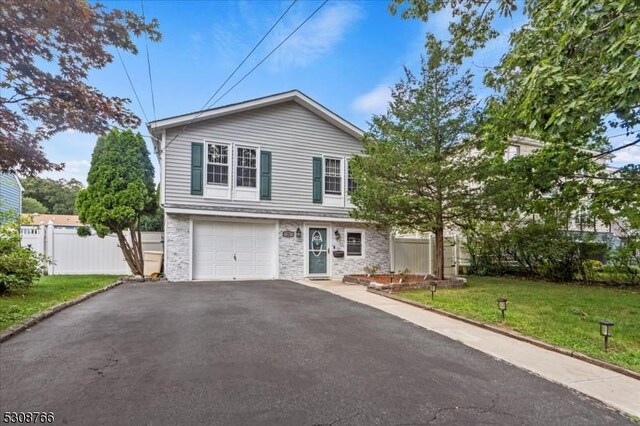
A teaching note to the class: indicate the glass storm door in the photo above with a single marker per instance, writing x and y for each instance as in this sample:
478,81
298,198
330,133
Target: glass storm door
317,251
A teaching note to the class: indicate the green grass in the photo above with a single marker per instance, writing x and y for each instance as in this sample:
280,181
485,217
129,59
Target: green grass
48,291
566,315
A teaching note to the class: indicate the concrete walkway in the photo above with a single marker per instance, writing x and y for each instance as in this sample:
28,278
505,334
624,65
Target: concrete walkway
616,390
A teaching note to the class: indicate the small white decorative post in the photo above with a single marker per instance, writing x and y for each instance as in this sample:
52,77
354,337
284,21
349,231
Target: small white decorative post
49,246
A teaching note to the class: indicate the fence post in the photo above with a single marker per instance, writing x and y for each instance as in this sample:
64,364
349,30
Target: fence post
49,247
41,248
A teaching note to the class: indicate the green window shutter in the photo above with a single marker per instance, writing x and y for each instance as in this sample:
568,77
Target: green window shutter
197,176
317,180
265,175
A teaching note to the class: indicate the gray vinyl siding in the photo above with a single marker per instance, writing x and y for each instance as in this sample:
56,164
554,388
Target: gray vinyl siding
293,135
10,193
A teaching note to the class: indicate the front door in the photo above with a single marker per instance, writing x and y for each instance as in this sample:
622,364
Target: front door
317,251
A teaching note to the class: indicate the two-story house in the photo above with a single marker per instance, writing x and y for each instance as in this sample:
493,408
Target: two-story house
10,194
260,189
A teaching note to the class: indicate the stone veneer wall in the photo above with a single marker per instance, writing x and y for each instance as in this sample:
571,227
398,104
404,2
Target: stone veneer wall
291,250
176,237
376,250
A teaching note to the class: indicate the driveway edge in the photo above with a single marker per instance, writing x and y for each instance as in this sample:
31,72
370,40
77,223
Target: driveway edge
514,335
34,319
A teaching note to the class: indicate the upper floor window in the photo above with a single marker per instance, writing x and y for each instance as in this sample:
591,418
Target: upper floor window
332,176
246,168
351,184
218,164
511,152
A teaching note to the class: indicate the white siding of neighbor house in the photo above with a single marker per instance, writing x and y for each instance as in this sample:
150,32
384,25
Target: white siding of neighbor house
293,135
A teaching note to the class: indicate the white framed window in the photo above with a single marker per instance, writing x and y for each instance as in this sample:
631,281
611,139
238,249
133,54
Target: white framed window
246,167
218,164
333,176
355,242
512,152
351,184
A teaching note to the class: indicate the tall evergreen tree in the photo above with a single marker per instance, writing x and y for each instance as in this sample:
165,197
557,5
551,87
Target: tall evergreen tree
120,191
419,159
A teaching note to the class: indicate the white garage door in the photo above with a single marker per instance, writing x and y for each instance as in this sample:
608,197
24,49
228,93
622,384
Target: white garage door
233,250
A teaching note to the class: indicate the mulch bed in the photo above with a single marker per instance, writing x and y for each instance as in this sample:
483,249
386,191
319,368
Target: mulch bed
396,282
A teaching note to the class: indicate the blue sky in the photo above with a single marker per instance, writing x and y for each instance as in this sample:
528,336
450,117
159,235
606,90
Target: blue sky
345,57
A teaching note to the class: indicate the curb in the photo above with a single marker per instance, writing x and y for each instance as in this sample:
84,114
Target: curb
33,320
515,335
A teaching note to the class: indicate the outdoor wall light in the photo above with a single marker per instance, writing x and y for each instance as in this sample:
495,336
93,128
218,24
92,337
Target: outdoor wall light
434,287
337,234
298,233
606,332
502,305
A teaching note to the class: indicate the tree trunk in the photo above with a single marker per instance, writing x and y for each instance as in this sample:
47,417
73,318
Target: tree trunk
439,253
131,253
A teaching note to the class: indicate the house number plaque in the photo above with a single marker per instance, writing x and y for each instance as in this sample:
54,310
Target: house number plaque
288,234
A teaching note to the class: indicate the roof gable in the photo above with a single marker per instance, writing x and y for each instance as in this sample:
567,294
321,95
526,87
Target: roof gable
294,95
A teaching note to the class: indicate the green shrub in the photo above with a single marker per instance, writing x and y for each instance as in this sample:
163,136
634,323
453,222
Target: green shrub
626,260
19,266
83,231
532,250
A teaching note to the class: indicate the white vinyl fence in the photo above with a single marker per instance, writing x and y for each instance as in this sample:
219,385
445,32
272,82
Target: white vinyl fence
72,254
417,254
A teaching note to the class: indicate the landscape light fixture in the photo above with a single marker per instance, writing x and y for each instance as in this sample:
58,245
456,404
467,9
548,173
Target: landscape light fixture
434,287
298,233
606,332
502,305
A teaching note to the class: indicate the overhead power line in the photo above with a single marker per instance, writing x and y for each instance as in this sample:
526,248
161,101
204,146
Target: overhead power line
146,44
135,92
272,51
248,55
621,147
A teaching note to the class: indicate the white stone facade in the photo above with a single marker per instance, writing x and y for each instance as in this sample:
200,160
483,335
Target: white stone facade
177,240
291,250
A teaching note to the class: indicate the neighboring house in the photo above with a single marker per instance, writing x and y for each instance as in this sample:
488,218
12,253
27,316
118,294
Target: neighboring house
260,189
10,193
58,220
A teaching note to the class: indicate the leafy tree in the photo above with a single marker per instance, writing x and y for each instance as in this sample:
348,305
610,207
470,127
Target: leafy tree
617,199
417,165
571,69
47,49
120,191
31,205
57,196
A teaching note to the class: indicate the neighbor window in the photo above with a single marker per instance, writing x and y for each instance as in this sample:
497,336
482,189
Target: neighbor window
354,243
512,152
247,166
332,176
218,164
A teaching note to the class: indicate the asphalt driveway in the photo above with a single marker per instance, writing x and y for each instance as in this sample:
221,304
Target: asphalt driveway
269,352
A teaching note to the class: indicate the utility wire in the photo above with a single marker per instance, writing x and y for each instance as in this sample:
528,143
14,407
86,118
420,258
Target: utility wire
206,104
135,92
272,51
146,44
616,149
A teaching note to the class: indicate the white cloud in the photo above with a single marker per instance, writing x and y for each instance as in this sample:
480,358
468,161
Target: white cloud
629,155
73,169
316,38
375,101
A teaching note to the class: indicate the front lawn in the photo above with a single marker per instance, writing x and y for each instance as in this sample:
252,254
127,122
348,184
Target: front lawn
48,291
563,314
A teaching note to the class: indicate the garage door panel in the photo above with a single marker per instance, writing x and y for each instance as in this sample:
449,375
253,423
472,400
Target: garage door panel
215,243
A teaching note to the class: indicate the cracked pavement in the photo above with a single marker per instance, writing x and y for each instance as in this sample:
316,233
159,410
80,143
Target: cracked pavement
265,352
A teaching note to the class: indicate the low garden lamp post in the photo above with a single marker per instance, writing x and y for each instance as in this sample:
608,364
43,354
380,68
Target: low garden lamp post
434,287
502,305
606,332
